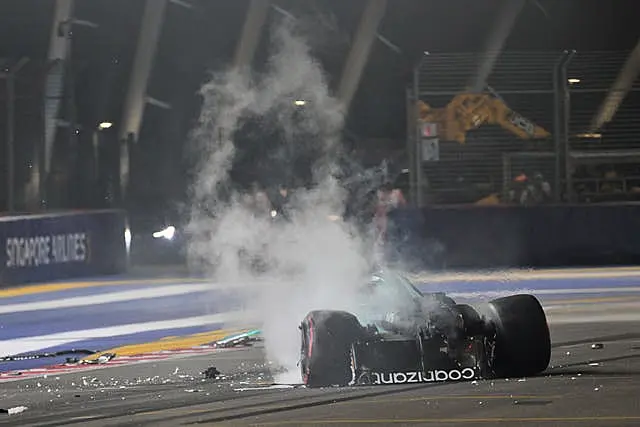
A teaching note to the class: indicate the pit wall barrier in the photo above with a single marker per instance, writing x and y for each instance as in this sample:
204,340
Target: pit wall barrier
49,247
537,236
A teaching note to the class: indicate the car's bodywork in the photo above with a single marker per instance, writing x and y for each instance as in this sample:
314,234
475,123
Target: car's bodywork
399,335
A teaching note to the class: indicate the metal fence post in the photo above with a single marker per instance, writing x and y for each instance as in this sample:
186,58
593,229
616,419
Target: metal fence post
41,193
411,120
10,82
566,95
71,200
416,135
558,127
561,126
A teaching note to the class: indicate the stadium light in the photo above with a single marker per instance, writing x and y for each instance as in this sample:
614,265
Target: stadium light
167,233
105,125
590,135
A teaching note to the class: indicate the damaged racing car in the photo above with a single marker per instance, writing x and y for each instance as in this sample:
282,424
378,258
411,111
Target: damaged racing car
402,336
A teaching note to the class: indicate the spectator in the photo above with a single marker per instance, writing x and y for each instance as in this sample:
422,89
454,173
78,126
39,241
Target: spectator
396,199
528,192
382,207
257,201
541,189
281,200
517,193
388,199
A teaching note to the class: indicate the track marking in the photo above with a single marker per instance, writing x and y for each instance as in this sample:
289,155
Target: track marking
34,343
169,344
582,317
164,349
539,292
521,274
561,302
453,420
456,397
56,287
507,275
58,370
172,412
599,307
113,297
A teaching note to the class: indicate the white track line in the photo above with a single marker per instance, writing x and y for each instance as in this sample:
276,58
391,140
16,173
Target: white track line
138,294
515,275
558,319
586,291
34,343
601,307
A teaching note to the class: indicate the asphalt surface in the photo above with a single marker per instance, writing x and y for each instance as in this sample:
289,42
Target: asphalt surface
583,387
105,314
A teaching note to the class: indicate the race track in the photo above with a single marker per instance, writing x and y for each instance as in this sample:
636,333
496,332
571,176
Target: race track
585,386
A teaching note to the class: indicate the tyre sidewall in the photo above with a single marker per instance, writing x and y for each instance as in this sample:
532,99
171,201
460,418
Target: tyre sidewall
522,339
326,347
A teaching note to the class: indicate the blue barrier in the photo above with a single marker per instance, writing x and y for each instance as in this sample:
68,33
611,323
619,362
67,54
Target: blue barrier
538,236
56,246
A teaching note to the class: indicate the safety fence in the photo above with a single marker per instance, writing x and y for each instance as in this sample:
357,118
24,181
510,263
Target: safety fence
560,120
603,161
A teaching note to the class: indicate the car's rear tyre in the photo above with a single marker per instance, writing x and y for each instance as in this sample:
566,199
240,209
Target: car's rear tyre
327,337
522,340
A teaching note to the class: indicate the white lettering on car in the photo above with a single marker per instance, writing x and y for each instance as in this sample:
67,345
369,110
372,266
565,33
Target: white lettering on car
455,375
399,378
426,377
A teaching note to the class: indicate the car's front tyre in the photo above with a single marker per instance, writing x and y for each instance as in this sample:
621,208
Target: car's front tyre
327,337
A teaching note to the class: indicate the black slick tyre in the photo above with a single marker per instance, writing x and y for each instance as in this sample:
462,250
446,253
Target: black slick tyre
327,337
522,340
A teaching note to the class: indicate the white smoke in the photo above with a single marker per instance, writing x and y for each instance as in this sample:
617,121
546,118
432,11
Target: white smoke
312,262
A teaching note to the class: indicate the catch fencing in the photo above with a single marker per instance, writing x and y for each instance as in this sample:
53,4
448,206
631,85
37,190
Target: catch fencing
589,154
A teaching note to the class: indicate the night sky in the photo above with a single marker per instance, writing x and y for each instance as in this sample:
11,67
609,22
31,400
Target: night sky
195,41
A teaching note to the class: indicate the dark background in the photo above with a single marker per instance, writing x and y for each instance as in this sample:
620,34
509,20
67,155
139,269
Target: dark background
198,40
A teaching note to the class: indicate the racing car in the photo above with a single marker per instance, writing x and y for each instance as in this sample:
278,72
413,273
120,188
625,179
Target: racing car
400,335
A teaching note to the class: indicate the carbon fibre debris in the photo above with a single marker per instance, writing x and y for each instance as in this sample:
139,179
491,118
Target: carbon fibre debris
211,373
14,410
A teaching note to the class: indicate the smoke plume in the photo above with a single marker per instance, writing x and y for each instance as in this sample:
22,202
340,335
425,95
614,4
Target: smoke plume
307,262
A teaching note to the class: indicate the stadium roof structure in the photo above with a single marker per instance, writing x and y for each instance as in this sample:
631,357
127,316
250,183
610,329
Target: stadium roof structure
196,36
